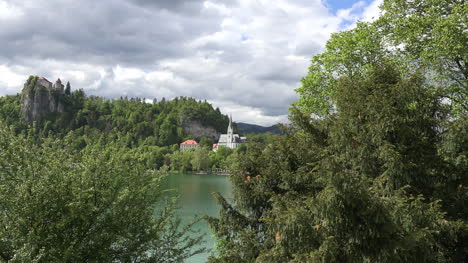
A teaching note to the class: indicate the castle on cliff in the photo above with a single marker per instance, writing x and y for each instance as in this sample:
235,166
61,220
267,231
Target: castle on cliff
39,98
58,86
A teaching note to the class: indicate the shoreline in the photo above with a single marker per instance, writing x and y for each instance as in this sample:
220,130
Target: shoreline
201,173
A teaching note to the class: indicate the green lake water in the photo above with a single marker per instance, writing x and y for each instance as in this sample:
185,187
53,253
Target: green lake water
196,199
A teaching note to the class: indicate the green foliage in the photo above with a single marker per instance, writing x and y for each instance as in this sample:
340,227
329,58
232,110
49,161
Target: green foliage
348,54
10,112
97,205
263,138
206,143
432,33
182,161
32,80
155,124
68,89
200,160
372,182
218,158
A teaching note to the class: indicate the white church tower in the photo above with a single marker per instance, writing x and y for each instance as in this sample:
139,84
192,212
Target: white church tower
230,134
229,140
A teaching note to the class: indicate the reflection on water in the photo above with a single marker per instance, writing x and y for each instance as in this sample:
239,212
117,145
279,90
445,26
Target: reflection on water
196,199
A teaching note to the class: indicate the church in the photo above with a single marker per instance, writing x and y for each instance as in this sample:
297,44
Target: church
230,139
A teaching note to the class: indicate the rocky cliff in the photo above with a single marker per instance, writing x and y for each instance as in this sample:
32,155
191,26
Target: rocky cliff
197,130
39,97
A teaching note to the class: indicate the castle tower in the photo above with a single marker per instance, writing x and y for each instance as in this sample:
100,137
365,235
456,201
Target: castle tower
58,86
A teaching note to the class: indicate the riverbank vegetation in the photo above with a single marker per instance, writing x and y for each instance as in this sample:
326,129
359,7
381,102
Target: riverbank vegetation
374,166
204,159
100,204
152,129
83,185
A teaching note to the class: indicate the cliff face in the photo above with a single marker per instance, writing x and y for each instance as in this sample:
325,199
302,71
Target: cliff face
197,130
39,98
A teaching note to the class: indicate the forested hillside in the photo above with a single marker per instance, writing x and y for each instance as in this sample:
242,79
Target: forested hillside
158,123
257,129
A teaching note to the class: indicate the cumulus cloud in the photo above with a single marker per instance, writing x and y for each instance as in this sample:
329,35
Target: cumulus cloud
246,57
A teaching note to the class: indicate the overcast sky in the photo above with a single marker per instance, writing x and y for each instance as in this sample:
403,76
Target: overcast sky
244,56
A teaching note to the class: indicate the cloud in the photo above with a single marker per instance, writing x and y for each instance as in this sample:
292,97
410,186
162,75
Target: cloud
372,11
246,57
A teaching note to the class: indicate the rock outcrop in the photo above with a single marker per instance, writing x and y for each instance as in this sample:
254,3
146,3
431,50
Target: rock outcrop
40,97
197,130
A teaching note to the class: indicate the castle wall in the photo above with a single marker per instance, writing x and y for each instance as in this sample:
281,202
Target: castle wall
44,83
59,87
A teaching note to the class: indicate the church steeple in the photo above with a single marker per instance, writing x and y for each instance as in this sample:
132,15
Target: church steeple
230,140
229,130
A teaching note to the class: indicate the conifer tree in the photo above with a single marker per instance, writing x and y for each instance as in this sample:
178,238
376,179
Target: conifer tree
381,174
68,88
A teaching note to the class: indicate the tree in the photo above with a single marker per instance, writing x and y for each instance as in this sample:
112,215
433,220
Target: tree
348,54
377,151
96,206
360,185
206,143
201,160
68,89
433,34
168,131
427,34
219,157
182,161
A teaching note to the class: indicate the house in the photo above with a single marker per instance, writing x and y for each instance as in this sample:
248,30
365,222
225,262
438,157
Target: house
189,144
230,139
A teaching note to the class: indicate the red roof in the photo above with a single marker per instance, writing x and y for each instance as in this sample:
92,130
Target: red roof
190,142
44,79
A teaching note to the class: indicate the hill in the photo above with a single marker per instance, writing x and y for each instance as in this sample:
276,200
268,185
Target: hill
52,109
246,128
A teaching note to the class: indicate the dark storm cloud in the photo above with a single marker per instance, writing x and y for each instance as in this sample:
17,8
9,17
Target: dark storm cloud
101,31
247,56
173,5
179,6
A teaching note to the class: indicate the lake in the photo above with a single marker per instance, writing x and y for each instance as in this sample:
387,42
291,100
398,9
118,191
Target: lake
196,198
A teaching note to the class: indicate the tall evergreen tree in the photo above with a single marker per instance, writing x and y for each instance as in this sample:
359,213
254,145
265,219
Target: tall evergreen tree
361,185
68,88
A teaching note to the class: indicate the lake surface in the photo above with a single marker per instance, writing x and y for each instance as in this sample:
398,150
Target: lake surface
196,198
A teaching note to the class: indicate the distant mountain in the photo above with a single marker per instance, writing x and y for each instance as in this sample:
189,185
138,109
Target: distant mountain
256,129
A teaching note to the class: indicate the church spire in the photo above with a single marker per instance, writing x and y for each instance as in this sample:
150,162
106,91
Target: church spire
229,130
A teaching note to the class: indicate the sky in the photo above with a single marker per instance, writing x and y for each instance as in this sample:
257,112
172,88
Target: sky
244,56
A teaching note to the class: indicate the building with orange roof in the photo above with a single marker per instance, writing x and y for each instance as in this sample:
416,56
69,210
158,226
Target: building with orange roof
189,144
41,81
58,86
